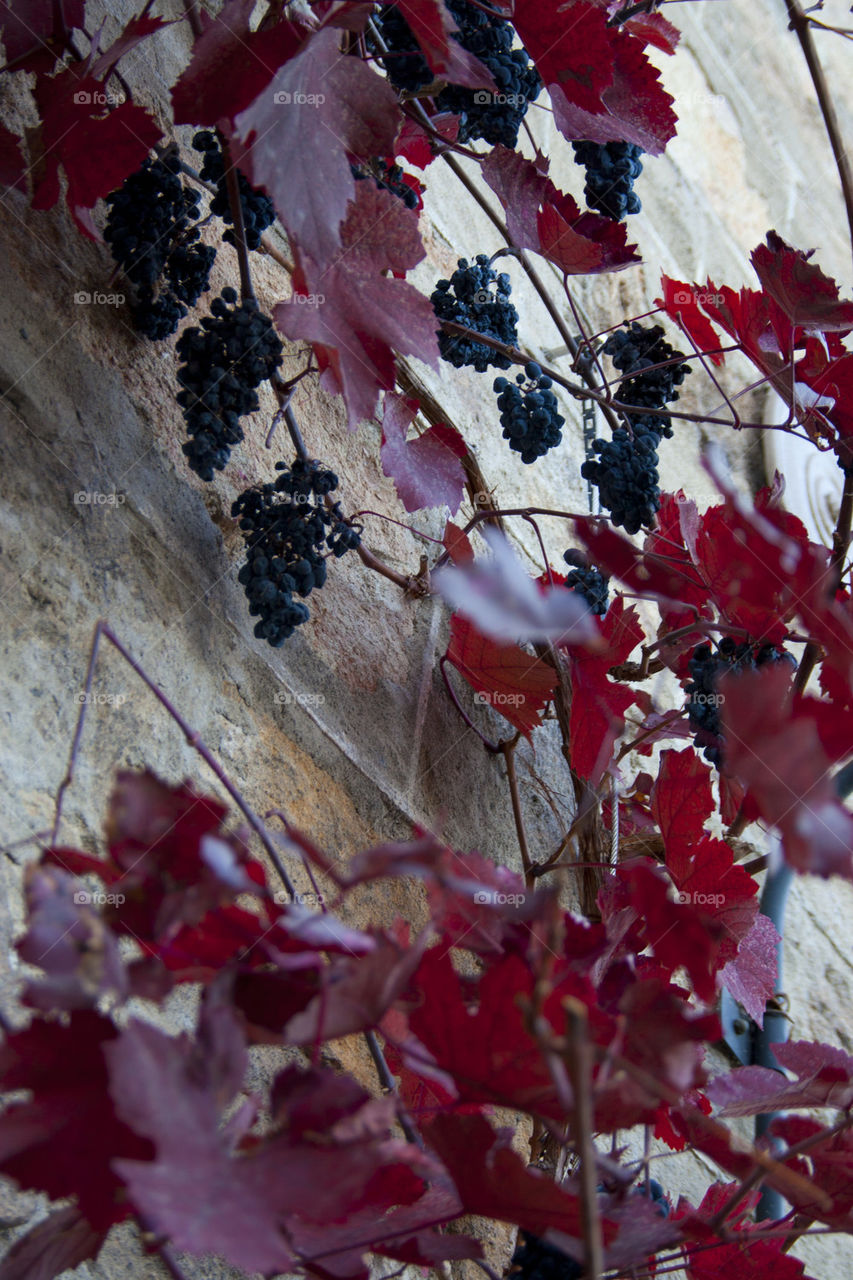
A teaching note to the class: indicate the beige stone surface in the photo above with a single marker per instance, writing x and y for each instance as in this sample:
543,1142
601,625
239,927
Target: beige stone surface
348,729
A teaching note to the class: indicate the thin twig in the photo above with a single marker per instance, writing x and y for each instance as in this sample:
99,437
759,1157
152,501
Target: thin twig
799,23
235,205
579,1060
508,749
389,1083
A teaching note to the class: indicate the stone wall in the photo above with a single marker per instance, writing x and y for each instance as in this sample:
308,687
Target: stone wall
348,729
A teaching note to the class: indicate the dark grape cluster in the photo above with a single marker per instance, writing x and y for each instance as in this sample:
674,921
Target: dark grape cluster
626,474
468,298
258,210
706,666
495,116
405,65
588,581
388,177
529,414
634,350
611,168
289,530
234,351
626,467
151,233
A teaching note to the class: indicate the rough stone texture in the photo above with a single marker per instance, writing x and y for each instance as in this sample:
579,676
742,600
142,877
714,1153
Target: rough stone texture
348,728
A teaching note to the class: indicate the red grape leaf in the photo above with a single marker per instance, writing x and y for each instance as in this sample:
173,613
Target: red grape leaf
65,1138
808,297
746,1259
427,471
824,1078
494,1182
12,163
327,1156
354,317
457,544
34,31
572,47
647,574
633,108
355,994
777,754
498,595
654,29
599,703
575,242
59,1243
483,907
231,65
320,110
431,23
681,303
97,151
415,144
506,677
70,941
582,244
751,976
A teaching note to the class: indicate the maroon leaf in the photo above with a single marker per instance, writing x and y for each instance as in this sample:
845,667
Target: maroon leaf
61,1242
65,1138
654,29
427,471
582,244
502,600
97,151
231,65
506,677
415,143
751,976
647,574
457,544
633,108
599,703
356,318
824,1078
327,1156
70,941
680,301
431,24
778,756
521,185
494,1182
808,297
35,32
319,110
572,46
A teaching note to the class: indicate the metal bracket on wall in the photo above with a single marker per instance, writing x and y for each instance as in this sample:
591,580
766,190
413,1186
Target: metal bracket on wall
738,1028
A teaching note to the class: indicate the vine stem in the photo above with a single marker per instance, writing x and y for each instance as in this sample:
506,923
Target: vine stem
799,23
235,205
580,1069
194,17
508,749
103,631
